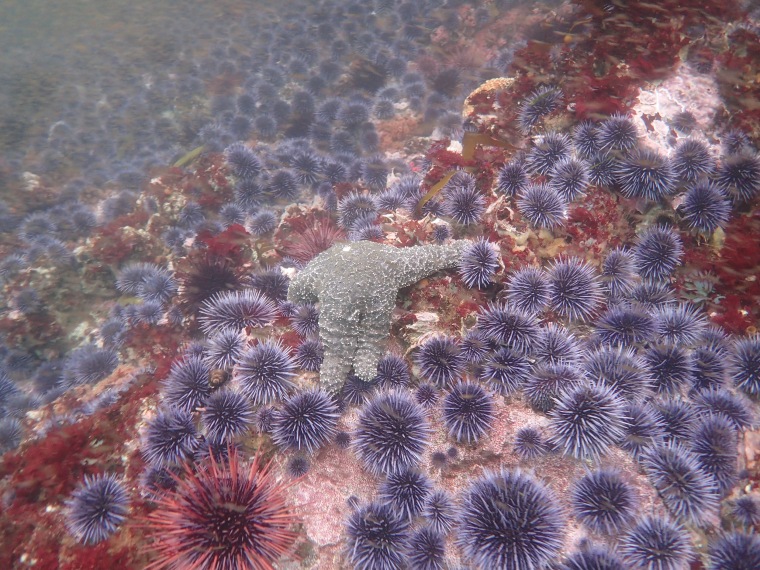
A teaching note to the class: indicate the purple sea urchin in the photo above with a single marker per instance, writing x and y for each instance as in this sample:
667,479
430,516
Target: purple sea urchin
680,324
744,361
737,409
374,172
652,294
236,310
298,466
11,432
705,207
625,325
677,418
391,433
643,428
309,355
248,195
283,185
159,286
739,176
692,160
343,439
684,122
170,438
148,313
352,114
224,349
541,102
272,283
603,501
513,178
508,326
355,391
735,551
542,206
592,557
262,222
709,368
307,167
714,442
569,178
735,141
384,110
509,520
669,366
242,161
586,421
97,508
545,383
226,415
657,544
407,491
377,537
478,264
439,512
574,289
306,421
426,550
264,372
586,139
746,510
529,443
440,360
468,412
528,289
187,385
548,149
392,372
464,203
601,170
617,133
475,346
645,174
505,371
305,321
426,395
557,345
88,365
619,368
687,491
355,207
657,253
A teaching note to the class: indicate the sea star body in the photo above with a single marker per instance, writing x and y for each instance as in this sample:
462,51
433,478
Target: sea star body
355,285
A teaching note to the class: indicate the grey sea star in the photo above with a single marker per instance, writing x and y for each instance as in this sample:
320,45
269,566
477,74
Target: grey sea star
355,285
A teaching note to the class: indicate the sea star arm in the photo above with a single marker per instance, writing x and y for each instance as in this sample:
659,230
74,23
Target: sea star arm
373,334
339,324
410,264
304,289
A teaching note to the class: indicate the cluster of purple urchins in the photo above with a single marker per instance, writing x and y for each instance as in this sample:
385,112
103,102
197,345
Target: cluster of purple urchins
198,414
609,155
334,103
652,378
318,135
311,108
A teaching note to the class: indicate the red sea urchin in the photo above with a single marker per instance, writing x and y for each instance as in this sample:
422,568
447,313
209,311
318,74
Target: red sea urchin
225,516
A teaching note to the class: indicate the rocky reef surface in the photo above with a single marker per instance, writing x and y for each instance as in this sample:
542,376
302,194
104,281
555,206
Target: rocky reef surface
417,285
